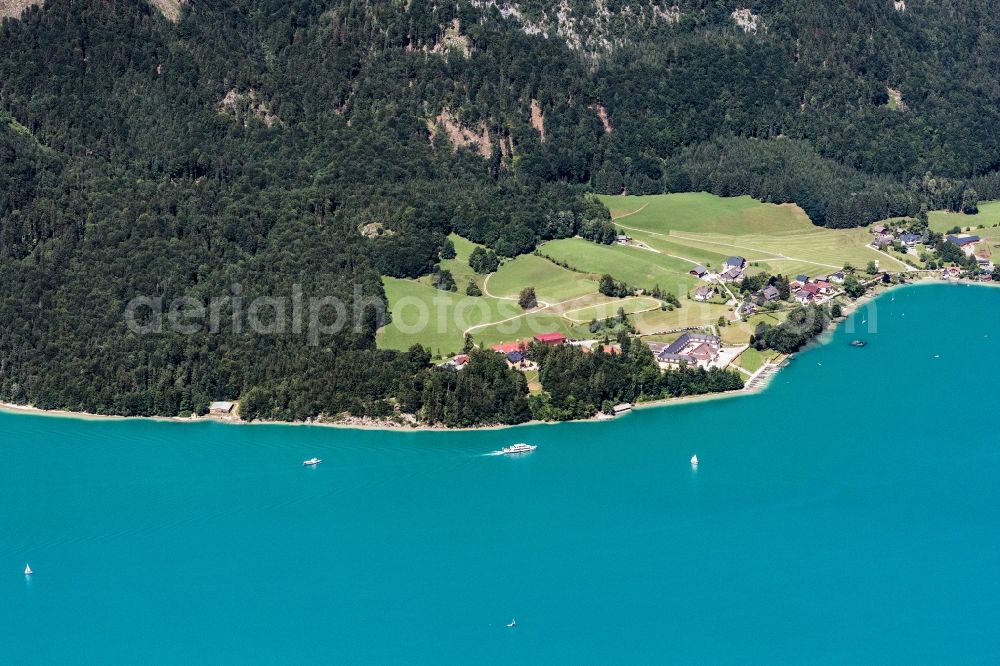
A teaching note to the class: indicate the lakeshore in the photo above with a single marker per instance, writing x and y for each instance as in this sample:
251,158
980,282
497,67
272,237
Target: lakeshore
365,423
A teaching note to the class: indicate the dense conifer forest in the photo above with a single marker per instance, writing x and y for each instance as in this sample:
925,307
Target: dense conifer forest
255,147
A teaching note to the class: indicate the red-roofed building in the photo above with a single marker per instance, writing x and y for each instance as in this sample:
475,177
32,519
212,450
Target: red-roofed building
509,347
550,338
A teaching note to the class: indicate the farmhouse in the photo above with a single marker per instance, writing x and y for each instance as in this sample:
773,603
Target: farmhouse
734,262
550,338
508,347
221,407
731,275
623,239
770,293
703,293
698,271
983,259
690,349
910,240
878,229
964,241
517,359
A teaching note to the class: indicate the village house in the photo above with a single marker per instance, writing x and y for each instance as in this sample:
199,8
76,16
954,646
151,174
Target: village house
698,271
878,229
690,349
703,293
838,277
910,240
770,293
825,287
802,279
731,275
808,293
951,272
457,363
550,338
882,241
517,360
221,407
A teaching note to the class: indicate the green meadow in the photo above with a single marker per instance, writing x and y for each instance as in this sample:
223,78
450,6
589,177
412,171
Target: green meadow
552,283
988,216
634,266
777,238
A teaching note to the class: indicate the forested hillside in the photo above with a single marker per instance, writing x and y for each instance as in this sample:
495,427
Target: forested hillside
245,146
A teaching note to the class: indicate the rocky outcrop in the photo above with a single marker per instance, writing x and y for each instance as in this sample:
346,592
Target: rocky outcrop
459,135
537,119
602,113
14,8
246,105
747,20
169,8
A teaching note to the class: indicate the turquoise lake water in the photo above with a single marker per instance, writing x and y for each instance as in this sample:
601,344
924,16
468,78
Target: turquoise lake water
850,513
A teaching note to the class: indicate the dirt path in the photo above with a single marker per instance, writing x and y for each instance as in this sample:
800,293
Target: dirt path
656,306
541,308
905,265
624,215
486,292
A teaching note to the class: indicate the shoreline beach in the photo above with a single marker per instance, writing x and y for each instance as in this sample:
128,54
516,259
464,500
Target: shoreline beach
364,423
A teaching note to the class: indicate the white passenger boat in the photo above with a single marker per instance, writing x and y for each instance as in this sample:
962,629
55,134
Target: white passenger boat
516,448
312,462
694,460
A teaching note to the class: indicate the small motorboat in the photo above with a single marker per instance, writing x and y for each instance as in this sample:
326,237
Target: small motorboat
27,570
858,343
312,462
694,460
512,624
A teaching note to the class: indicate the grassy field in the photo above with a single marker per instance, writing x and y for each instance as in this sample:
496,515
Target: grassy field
692,314
988,216
459,266
751,360
552,283
436,319
610,309
700,212
634,266
703,227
